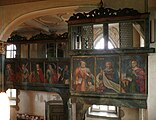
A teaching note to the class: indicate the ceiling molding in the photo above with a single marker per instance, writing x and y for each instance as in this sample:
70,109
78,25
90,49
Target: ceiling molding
35,24
10,2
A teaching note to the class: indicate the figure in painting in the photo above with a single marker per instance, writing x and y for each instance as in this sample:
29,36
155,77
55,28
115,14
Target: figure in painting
64,75
51,74
134,80
9,74
107,79
84,78
37,75
24,73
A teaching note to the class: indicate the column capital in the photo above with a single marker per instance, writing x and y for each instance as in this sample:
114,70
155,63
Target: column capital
2,47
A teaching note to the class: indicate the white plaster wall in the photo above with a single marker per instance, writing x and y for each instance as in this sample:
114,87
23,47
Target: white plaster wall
33,102
151,102
130,114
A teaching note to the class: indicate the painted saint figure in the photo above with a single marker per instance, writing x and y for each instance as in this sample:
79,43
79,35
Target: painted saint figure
51,74
135,78
84,78
37,75
64,75
9,73
24,73
108,79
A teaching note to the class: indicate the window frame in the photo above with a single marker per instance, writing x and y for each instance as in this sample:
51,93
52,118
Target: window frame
12,50
11,98
111,114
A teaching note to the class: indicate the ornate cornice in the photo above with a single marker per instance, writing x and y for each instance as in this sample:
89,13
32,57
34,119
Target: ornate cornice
16,38
52,36
38,37
105,12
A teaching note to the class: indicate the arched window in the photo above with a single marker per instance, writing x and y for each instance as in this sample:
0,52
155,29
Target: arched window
11,51
99,44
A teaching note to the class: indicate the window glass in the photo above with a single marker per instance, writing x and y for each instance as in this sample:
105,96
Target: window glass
103,111
142,42
113,34
11,51
99,44
12,96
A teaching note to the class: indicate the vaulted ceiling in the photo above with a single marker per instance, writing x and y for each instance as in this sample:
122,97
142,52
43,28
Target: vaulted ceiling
52,22
10,2
46,24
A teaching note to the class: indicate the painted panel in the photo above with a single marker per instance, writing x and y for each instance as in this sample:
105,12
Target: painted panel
83,77
133,73
107,74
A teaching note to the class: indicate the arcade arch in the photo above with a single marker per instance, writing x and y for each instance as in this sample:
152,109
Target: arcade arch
65,11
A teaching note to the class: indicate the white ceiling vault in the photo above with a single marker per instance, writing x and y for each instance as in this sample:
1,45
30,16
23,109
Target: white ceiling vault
49,23
46,24
54,22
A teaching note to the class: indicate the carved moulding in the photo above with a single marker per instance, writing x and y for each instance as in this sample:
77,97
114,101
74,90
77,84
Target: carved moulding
106,14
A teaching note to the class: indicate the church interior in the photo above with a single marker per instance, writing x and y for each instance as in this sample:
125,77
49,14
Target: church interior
78,60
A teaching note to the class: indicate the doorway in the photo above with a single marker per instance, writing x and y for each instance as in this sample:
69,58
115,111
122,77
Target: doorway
54,110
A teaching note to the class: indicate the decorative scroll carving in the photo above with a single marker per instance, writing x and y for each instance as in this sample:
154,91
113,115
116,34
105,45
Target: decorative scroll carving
39,36
63,36
105,12
42,36
52,36
17,38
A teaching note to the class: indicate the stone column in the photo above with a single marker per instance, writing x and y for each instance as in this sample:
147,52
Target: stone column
2,58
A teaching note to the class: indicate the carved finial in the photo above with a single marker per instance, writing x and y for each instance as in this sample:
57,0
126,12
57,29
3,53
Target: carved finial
101,3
